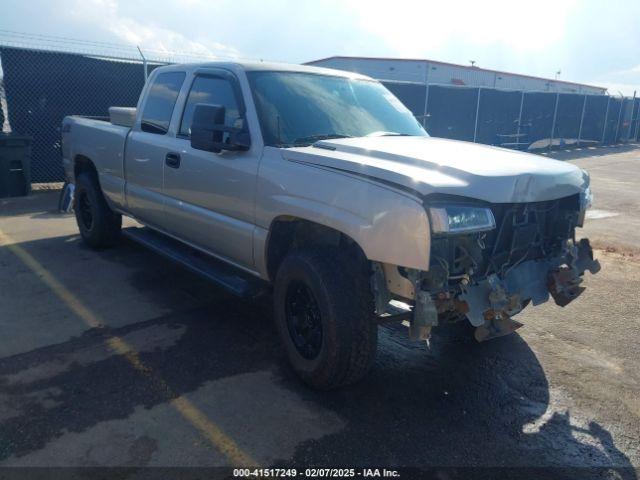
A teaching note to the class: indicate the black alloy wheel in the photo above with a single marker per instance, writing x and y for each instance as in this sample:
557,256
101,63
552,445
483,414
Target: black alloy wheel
304,320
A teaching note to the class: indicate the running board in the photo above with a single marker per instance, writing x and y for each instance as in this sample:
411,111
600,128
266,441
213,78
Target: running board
198,262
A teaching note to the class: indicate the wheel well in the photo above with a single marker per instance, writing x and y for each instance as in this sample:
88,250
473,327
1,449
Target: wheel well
83,164
289,233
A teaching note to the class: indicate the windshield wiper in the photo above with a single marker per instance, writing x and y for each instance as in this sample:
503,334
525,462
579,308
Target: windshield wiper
315,138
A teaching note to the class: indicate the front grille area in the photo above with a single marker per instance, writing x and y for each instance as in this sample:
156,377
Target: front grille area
524,231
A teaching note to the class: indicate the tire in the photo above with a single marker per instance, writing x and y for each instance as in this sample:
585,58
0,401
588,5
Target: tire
342,299
99,226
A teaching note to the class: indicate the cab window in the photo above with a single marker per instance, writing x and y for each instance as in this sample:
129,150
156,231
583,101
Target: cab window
211,90
161,100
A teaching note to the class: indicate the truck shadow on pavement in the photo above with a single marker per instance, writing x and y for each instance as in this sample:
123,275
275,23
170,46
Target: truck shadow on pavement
448,405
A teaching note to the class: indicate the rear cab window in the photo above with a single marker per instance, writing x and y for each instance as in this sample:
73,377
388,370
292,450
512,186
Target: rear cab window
161,100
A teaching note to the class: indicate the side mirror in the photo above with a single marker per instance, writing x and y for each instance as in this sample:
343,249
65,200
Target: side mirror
208,130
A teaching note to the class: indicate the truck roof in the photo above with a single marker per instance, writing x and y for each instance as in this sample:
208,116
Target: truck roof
249,66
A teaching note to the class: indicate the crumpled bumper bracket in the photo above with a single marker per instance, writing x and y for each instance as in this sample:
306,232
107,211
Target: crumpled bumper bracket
564,282
494,300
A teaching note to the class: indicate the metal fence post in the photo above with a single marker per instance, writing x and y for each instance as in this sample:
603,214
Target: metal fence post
426,103
520,119
553,123
606,117
584,106
144,64
615,140
426,95
475,127
633,107
635,133
635,136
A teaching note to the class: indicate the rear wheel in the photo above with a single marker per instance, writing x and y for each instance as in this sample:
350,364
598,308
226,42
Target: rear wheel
99,225
324,315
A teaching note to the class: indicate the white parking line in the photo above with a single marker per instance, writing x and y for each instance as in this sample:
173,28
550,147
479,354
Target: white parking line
214,434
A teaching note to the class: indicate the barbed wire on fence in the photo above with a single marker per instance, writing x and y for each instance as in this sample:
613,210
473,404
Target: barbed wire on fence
113,50
44,78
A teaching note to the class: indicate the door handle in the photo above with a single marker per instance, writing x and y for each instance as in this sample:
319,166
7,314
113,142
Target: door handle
172,160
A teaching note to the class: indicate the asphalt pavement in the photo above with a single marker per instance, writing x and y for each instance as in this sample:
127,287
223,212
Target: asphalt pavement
121,358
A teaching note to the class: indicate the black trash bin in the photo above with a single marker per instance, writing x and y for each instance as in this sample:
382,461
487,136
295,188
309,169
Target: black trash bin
15,165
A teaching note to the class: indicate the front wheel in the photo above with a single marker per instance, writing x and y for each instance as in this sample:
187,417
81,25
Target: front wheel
324,316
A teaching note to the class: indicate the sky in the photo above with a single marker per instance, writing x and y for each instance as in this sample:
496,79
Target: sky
589,41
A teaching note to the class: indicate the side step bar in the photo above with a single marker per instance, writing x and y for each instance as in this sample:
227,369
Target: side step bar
198,262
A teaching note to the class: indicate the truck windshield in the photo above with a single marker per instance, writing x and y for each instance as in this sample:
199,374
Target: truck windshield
297,109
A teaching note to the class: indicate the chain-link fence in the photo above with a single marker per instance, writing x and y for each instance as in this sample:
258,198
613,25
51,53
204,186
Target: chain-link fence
42,87
522,120
39,87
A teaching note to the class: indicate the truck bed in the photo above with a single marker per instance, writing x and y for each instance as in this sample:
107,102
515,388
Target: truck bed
101,141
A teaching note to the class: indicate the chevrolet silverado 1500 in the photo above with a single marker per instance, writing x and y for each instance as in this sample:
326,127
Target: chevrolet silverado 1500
323,186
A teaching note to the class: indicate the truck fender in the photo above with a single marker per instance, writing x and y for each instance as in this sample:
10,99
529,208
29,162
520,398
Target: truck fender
398,235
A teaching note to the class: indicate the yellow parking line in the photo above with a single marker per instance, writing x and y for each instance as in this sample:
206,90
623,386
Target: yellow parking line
186,408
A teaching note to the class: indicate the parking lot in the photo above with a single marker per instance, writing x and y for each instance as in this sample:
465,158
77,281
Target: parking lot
121,358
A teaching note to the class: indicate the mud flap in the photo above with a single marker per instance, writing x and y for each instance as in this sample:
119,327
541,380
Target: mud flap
65,202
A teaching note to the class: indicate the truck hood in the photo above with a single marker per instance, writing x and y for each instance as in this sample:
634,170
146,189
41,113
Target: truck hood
428,165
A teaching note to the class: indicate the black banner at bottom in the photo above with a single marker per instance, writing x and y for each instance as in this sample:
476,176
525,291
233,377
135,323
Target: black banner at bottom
374,472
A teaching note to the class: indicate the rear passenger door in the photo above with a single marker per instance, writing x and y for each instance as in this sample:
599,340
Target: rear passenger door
147,147
210,196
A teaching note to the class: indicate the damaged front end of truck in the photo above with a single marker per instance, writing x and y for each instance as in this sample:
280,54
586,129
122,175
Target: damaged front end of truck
489,261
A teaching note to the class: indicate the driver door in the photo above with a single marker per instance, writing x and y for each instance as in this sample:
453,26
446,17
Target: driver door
209,197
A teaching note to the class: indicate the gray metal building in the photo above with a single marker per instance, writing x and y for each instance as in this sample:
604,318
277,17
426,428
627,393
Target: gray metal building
442,73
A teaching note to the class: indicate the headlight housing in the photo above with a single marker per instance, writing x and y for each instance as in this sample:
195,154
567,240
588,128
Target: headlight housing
586,199
454,219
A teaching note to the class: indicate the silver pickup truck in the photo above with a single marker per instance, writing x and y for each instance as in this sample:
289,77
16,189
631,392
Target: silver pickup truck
322,185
